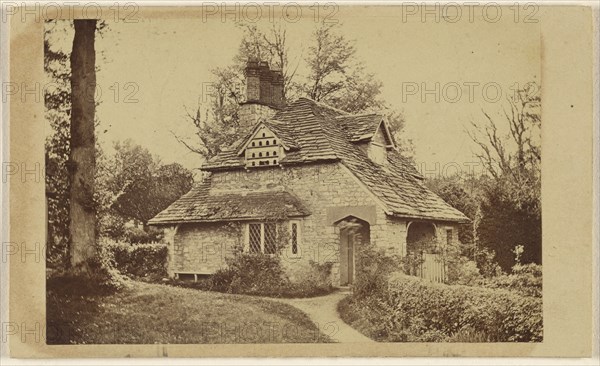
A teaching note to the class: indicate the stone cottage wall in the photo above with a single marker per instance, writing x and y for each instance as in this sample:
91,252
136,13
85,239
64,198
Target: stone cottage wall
330,193
201,248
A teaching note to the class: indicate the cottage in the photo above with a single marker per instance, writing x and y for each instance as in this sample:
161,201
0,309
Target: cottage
305,176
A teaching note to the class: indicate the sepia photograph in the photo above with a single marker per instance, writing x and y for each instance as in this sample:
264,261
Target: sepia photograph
303,180
317,180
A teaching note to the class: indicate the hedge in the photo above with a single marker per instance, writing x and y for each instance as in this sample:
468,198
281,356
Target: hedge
412,309
144,261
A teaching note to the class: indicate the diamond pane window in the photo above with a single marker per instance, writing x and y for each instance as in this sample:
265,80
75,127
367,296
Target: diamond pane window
254,238
294,235
270,238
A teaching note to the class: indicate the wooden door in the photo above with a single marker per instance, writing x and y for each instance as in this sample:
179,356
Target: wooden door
346,258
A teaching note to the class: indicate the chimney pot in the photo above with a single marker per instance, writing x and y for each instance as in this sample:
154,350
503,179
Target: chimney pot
263,85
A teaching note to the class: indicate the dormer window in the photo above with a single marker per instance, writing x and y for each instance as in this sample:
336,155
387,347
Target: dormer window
262,147
380,142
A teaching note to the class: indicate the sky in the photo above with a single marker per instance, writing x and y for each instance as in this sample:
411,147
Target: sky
439,74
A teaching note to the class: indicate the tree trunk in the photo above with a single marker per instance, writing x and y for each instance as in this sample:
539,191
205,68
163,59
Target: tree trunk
82,158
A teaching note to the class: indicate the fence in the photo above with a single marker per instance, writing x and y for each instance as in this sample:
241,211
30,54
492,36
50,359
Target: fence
432,267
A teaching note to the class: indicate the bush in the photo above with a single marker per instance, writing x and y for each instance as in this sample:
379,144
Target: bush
412,309
373,268
142,261
314,281
462,271
525,279
263,275
251,273
96,277
137,235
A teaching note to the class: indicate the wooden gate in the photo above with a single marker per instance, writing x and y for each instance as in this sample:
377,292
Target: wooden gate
432,268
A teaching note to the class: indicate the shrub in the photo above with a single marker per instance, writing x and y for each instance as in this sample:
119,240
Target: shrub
313,281
373,267
525,279
263,275
462,271
96,277
142,261
137,235
251,273
412,309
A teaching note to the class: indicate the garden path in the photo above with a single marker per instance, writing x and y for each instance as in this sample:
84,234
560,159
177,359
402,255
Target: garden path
323,312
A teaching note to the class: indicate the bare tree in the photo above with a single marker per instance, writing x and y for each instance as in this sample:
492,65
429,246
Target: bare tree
516,154
82,158
335,77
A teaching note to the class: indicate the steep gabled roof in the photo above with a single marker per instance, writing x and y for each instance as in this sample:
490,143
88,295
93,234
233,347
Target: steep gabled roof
322,133
364,126
199,206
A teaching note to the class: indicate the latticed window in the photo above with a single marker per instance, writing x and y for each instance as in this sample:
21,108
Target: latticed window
270,238
254,238
262,238
294,237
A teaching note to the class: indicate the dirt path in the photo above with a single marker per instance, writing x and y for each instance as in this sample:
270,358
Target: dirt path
322,311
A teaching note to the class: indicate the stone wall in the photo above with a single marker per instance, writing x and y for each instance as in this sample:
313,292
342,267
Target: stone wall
201,248
330,193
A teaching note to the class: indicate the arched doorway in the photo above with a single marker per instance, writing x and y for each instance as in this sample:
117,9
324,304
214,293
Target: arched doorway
354,233
423,252
421,237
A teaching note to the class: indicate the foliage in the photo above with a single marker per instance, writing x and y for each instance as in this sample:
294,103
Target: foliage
137,235
334,76
462,271
142,261
57,101
314,280
251,273
507,222
511,201
411,262
96,277
525,279
373,267
263,275
462,193
414,310
140,185
486,262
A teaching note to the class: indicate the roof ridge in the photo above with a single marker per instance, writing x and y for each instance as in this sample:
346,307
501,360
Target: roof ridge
321,104
363,115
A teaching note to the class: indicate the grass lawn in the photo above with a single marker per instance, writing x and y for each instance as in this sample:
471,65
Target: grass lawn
152,313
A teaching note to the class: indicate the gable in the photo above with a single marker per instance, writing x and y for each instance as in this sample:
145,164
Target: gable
263,148
319,134
382,137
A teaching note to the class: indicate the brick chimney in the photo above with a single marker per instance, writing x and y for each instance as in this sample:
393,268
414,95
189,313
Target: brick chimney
264,93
